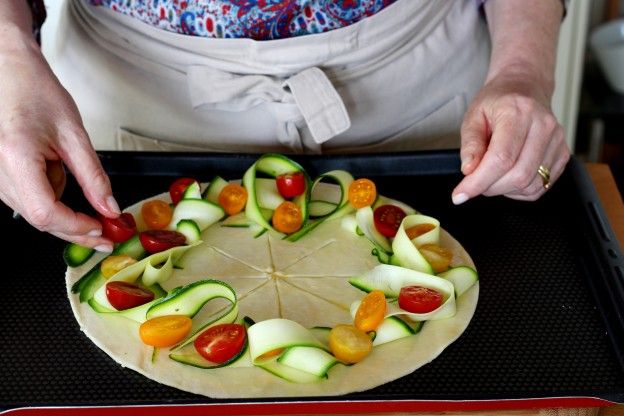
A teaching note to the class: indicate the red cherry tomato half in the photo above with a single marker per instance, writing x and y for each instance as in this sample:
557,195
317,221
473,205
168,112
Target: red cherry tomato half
155,241
124,295
418,299
221,343
177,188
388,219
291,185
118,229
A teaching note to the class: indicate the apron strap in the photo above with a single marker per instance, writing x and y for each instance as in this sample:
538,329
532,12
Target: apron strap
310,91
320,104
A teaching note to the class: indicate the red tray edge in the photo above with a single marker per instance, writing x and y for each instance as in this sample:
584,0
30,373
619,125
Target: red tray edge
335,407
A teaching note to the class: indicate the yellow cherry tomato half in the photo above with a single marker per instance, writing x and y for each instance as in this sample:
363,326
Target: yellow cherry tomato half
165,331
112,264
156,214
349,344
362,193
287,217
371,311
233,198
438,257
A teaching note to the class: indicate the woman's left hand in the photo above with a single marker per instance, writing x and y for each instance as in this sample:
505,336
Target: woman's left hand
509,132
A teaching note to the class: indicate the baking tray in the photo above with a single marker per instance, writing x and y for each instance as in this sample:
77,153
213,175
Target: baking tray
548,330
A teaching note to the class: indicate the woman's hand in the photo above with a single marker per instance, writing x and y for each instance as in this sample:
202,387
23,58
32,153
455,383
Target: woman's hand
508,132
40,130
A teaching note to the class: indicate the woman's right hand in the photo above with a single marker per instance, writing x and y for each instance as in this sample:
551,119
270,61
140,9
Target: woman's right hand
40,130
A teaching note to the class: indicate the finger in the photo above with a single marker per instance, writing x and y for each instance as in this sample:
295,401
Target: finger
39,206
474,138
500,157
537,149
560,164
533,197
83,162
554,161
56,176
531,192
561,156
100,244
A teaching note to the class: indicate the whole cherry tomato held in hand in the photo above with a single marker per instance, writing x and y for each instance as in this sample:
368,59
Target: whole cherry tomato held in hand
118,229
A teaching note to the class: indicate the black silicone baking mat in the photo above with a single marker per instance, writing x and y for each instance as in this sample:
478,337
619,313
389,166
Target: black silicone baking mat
548,323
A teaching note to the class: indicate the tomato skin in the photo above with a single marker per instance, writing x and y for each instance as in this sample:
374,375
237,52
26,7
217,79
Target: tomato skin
156,214
165,331
418,230
362,193
233,198
118,229
290,185
371,312
418,299
124,295
155,241
349,344
177,188
271,354
388,219
112,264
439,258
221,343
287,217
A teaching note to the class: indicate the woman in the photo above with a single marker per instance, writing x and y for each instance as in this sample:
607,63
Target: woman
396,80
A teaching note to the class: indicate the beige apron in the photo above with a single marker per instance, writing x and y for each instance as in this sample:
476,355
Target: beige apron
398,80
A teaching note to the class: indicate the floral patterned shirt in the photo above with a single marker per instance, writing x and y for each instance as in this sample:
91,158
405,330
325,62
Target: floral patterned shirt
255,19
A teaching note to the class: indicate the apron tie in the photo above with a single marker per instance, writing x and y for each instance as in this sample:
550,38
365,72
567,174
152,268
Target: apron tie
308,97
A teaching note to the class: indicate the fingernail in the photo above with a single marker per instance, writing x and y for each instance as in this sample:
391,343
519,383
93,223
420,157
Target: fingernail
95,233
104,248
466,161
460,198
112,205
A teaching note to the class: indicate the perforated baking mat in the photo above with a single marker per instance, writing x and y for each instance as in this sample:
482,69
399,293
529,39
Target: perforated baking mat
548,329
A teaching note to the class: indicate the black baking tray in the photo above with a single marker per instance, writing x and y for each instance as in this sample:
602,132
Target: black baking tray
549,323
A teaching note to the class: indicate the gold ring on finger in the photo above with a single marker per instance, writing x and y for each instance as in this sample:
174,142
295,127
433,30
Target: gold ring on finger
544,173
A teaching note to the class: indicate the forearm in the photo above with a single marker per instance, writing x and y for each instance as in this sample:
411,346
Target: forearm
15,27
524,40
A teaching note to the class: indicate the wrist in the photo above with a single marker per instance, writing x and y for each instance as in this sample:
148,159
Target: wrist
15,39
527,77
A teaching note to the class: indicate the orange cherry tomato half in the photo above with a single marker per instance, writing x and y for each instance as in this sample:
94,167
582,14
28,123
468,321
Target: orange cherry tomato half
112,264
271,354
418,299
371,312
438,257
156,214
233,198
118,229
349,344
418,230
290,185
388,219
177,188
362,193
165,331
287,217
221,343
124,295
